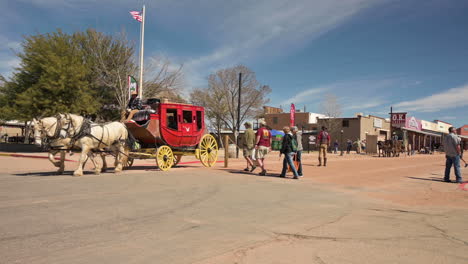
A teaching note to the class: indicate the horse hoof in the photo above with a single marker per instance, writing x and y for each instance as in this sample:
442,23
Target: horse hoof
118,170
77,174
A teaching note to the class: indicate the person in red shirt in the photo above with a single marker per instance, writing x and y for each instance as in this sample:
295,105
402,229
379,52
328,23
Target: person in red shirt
323,140
262,145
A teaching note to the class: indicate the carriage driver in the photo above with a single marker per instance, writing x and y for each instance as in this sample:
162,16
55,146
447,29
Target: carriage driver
134,105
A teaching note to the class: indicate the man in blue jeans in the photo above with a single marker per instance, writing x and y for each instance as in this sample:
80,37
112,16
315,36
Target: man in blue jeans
288,151
297,135
452,154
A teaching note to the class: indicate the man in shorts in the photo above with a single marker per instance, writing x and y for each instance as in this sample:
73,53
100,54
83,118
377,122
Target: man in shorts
323,140
248,144
262,145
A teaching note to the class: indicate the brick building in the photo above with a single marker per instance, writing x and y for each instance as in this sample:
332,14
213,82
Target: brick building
463,133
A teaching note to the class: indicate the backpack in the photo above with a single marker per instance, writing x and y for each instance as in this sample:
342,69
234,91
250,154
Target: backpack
294,144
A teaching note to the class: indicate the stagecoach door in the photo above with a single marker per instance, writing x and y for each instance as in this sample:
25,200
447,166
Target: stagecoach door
188,126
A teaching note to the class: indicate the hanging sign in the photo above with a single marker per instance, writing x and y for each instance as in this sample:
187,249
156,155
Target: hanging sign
398,119
292,112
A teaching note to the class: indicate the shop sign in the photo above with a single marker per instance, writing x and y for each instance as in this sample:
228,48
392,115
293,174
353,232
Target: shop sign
377,123
312,140
426,125
413,123
398,119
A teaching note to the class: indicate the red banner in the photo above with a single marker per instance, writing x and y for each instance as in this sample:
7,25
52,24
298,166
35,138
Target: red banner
293,112
398,119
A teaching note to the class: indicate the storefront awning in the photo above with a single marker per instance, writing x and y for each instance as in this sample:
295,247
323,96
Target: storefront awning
421,132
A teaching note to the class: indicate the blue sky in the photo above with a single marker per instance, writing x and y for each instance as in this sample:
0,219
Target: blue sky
412,55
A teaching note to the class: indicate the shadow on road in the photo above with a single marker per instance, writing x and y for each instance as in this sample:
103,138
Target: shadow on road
428,179
256,174
54,173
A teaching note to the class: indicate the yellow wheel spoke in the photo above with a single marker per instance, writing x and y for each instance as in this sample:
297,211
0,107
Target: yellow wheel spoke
164,151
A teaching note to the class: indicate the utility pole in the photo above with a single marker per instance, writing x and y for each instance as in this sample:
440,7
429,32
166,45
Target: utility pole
142,43
391,121
238,114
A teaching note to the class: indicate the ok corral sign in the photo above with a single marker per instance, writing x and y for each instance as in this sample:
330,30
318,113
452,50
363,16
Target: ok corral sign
398,119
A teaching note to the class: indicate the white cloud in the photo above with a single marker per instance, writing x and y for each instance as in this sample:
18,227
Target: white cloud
375,102
270,27
452,98
303,96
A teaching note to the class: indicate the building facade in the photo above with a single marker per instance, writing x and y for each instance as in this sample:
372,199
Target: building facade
303,120
356,128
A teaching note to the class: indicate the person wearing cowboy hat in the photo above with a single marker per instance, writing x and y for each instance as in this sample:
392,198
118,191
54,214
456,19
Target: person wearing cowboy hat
134,105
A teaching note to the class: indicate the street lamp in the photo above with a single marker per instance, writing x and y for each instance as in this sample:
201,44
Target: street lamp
341,154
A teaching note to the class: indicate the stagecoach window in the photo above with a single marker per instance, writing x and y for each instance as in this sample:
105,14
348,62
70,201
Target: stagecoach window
345,123
171,115
187,115
199,120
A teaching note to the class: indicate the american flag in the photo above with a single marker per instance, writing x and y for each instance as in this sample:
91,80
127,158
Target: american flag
137,15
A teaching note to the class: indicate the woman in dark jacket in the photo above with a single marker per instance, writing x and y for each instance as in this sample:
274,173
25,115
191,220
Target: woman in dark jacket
287,150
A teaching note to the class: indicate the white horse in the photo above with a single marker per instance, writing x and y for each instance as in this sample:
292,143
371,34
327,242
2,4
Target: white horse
51,130
89,136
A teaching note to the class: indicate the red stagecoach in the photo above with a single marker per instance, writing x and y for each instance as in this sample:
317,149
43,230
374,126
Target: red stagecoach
167,131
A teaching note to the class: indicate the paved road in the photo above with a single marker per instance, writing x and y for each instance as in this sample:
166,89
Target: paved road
196,215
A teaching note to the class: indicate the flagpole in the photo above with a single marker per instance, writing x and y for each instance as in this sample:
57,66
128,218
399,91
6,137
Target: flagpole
142,41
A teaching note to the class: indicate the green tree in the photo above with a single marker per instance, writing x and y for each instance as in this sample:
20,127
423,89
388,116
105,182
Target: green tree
53,77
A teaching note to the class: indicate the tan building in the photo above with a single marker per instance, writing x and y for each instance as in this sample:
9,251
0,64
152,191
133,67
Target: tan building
272,110
303,120
354,128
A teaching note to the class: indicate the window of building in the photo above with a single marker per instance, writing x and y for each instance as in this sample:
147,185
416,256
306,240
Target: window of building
275,120
345,123
187,116
199,120
171,118
466,128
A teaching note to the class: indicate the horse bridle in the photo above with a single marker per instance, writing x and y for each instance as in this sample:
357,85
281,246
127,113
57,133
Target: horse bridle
45,130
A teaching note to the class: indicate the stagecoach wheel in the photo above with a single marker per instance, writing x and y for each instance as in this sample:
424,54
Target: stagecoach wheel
177,159
164,158
208,150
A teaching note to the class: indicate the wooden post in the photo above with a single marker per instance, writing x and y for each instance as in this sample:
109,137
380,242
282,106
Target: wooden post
226,150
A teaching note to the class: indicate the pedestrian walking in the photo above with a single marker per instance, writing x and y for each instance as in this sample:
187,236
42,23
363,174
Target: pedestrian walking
297,135
452,155
248,145
262,146
335,146
324,142
349,146
358,146
288,148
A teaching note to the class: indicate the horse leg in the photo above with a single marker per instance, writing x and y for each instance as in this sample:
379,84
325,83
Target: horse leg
104,163
52,158
83,157
97,168
62,162
119,158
